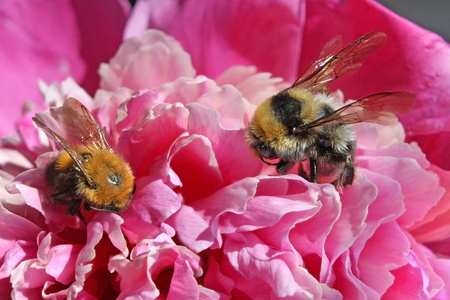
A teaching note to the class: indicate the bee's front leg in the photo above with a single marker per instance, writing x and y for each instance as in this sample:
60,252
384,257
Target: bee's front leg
283,166
348,173
313,170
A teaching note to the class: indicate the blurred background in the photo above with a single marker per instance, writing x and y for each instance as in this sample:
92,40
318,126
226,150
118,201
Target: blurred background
430,14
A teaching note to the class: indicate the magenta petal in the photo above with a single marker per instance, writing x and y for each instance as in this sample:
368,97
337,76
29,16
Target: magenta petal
232,35
64,44
195,153
417,278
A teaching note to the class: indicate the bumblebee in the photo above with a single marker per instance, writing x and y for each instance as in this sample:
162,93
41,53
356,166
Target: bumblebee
303,124
91,172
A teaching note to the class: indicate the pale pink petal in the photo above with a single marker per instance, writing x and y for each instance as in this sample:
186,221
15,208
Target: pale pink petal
387,207
351,223
27,280
159,267
442,267
435,226
419,187
255,87
165,58
152,203
253,259
226,100
375,266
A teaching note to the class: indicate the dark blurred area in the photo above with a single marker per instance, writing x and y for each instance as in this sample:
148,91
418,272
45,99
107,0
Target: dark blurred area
430,14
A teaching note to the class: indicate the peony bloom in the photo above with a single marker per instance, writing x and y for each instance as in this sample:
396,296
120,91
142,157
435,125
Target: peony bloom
207,219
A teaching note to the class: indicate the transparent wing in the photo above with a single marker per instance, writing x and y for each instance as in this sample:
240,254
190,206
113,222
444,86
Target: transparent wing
332,63
71,149
378,108
79,123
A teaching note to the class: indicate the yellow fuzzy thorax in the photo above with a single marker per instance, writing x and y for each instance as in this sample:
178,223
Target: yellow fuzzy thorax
265,125
99,166
310,106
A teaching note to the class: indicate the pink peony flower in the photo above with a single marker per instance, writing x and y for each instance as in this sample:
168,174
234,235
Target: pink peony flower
207,219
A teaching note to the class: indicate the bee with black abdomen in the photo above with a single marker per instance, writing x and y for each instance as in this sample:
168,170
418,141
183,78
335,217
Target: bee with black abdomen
303,124
90,173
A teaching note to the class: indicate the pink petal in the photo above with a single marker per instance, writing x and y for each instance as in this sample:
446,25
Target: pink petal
434,225
195,153
255,260
166,57
152,203
153,138
232,34
192,230
375,266
228,145
226,100
159,264
255,87
386,208
351,222
417,278
417,184
65,44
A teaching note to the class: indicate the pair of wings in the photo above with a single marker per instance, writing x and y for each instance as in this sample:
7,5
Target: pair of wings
78,122
333,63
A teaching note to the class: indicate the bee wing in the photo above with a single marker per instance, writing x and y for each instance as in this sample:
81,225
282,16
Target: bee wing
80,124
67,146
378,108
332,63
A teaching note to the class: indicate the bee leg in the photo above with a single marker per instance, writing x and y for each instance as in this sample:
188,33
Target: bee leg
348,173
302,172
61,198
75,208
87,206
283,166
312,170
80,216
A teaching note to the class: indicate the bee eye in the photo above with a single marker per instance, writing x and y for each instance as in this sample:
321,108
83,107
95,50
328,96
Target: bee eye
115,179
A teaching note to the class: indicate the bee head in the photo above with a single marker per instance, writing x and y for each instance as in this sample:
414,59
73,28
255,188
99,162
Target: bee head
113,182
